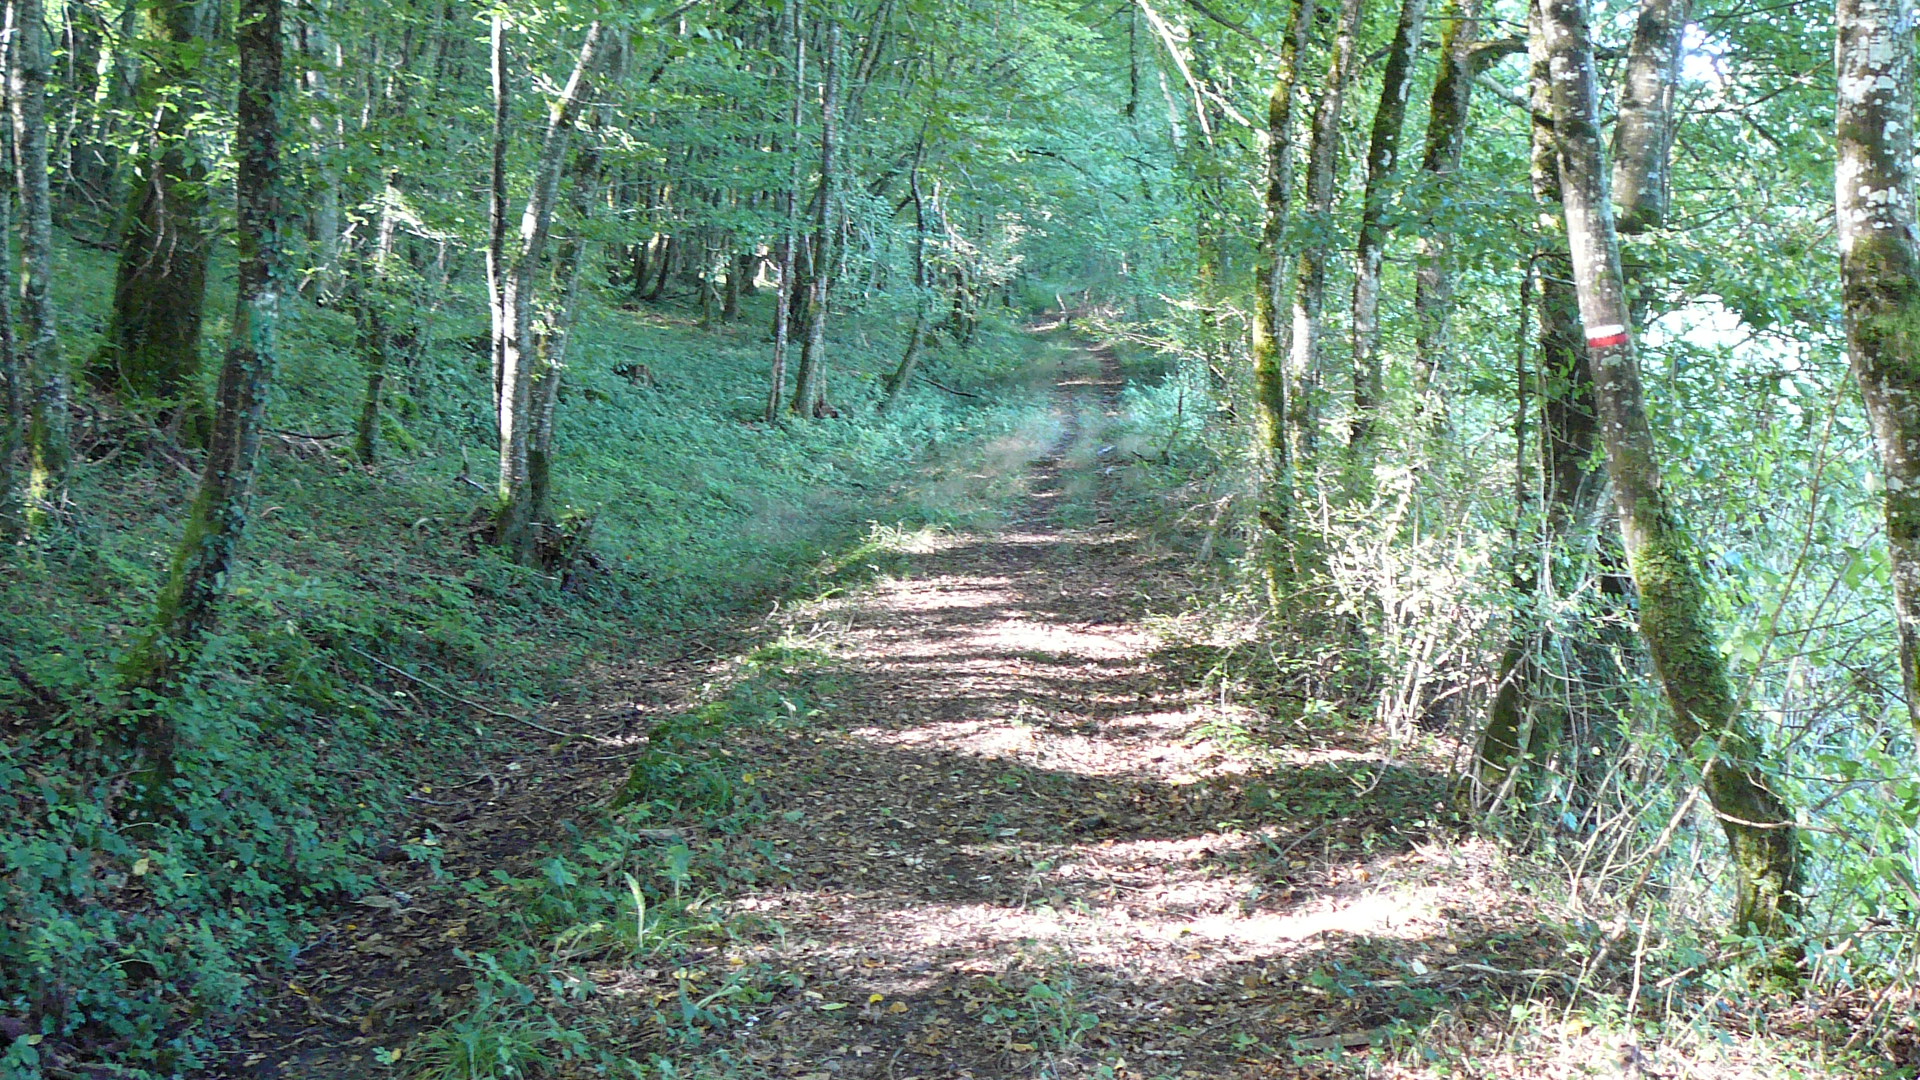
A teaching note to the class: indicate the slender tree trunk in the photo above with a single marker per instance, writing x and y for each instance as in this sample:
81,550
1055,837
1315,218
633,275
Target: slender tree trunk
49,444
1462,57
513,520
218,521
810,392
13,382
1310,292
902,376
329,144
569,271
1569,437
1761,838
789,210
1383,154
160,286
372,307
497,204
1643,132
1880,276
1269,325
667,248
730,265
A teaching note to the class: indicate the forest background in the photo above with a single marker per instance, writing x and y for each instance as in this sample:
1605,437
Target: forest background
1533,381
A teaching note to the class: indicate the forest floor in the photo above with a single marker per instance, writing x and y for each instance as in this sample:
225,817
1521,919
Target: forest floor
1013,835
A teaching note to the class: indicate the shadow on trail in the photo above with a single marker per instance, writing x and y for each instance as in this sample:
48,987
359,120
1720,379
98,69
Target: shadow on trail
1024,841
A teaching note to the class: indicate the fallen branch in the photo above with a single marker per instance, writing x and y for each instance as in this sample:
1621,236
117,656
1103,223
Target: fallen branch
468,702
948,389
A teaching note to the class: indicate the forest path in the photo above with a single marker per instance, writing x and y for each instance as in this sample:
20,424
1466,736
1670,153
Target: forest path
1010,833
1022,840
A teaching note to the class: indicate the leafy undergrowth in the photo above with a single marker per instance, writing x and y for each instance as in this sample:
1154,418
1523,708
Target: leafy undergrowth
373,648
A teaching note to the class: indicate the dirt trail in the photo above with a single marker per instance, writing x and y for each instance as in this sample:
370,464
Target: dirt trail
1023,848
1022,840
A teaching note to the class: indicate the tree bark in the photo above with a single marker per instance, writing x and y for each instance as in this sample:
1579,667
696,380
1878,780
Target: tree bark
1462,58
497,202
1762,841
1880,277
160,285
1569,437
1310,291
1643,132
1383,152
922,287
810,391
1269,326
373,308
49,444
513,520
13,381
218,521
785,255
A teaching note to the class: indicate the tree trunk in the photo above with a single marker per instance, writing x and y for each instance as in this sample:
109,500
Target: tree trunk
513,520
160,286
329,145
569,268
187,605
497,204
1310,292
1880,276
1568,439
49,444
730,265
902,376
1383,153
667,248
1269,328
372,308
1462,57
13,383
785,256
1761,839
810,391
1643,132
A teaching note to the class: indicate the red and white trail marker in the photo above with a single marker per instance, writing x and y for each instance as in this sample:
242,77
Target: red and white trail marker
1606,337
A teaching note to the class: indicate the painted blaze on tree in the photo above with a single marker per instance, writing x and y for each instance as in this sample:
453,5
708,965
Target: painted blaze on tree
1762,842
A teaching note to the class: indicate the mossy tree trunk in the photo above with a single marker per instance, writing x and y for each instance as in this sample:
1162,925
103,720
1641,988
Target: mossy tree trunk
557,327
13,380
1383,155
373,308
497,201
1880,276
1463,56
1569,436
152,351
1269,277
49,441
1762,841
218,520
1310,288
